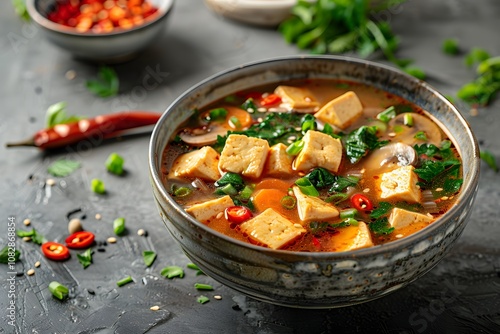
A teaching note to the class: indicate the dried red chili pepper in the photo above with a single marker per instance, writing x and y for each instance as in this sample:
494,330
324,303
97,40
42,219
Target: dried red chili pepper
93,130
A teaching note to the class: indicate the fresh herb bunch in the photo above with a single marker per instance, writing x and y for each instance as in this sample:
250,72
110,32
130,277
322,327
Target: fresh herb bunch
484,88
338,26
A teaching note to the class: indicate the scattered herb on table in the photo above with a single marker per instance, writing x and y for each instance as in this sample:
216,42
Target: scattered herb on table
85,258
36,237
58,290
107,83
489,159
114,164
63,167
172,271
195,267
201,286
476,56
97,186
57,114
202,299
450,46
8,254
124,281
119,225
21,10
149,257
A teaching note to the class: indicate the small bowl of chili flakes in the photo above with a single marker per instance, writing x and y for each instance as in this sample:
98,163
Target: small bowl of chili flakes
101,30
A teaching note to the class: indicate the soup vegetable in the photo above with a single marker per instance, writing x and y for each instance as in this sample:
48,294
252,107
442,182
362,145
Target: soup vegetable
313,165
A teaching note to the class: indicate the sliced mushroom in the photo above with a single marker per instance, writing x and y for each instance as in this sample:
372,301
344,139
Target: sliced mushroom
406,134
202,136
390,157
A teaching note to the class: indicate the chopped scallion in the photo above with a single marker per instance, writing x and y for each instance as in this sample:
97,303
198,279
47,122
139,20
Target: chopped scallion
288,202
246,193
149,257
306,187
201,286
228,189
235,121
388,114
119,225
408,120
202,299
97,186
420,136
217,114
58,290
114,164
295,147
348,213
182,192
124,281
172,271
336,198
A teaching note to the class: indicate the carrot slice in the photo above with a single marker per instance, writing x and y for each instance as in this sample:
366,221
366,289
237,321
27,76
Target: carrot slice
271,183
243,116
271,198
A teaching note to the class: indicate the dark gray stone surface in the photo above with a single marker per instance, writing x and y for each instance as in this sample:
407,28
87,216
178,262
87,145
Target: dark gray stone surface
460,295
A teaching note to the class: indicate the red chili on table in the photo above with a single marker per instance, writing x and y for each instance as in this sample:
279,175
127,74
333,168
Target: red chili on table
270,100
238,214
361,202
81,239
55,251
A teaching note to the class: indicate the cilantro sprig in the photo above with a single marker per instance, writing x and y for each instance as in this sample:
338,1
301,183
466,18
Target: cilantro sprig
107,83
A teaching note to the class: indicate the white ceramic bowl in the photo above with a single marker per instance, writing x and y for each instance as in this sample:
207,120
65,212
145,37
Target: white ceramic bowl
116,46
259,12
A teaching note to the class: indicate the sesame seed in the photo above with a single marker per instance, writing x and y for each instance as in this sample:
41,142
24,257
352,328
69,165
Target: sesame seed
219,215
141,232
50,182
111,240
444,198
392,134
262,109
70,75
30,272
439,189
217,297
366,190
362,171
37,264
473,112
399,236
26,239
27,222
154,308
98,216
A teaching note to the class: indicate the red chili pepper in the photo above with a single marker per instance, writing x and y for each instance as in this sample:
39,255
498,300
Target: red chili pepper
270,100
238,214
93,130
316,242
361,202
81,239
55,251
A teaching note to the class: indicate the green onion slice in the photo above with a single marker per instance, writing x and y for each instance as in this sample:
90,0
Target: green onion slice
388,114
306,187
408,120
288,202
124,281
201,286
58,290
182,192
336,198
348,213
202,299
295,147
97,186
114,164
119,225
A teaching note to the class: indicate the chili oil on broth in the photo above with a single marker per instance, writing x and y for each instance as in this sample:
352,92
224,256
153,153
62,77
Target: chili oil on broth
374,101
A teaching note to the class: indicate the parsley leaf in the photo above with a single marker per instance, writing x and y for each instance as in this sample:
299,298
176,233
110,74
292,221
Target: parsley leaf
36,237
63,167
57,114
359,142
381,226
149,257
85,258
107,84
5,256
383,208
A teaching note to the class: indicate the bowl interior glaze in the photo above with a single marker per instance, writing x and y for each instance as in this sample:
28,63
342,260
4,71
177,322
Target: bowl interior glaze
316,280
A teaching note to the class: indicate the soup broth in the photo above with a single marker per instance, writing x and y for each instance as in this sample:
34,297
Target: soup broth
313,165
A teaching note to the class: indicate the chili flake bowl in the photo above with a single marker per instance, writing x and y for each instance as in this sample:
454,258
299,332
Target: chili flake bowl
314,279
115,46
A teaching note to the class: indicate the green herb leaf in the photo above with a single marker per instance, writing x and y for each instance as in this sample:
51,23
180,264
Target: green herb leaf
450,46
124,281
107,84
172,271
415,71
321,178
359,142
342,182
195,267
475,56
9,254
388,114
420,135
489,159
36,237
383,208
148,257
63,167
58,290
201,286
85,258
249,105
217,114
21,10
114,164
119,225
202,299
381,226
233,179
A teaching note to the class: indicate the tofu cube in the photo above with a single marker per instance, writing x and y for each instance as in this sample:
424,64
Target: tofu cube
244,155
278,161
400,185
272,229
202,163
341,111
362,239
207,210
312,208
320,150
296,97
400,218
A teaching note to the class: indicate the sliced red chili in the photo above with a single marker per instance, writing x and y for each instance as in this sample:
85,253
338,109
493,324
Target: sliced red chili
238,214
81,239
361,202
316,242
270,100
55,251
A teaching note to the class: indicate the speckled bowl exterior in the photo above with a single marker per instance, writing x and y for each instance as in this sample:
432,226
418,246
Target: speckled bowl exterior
316,280
113,47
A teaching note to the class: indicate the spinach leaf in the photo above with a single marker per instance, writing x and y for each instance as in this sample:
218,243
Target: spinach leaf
4,255
343,182
360,141
381,226
233,179
321,178
383,208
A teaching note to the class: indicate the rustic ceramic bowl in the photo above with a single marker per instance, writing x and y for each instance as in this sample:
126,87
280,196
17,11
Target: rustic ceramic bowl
116,46
316,280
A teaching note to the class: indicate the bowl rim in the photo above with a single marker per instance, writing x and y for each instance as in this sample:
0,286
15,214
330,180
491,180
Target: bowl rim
164,8
377,250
